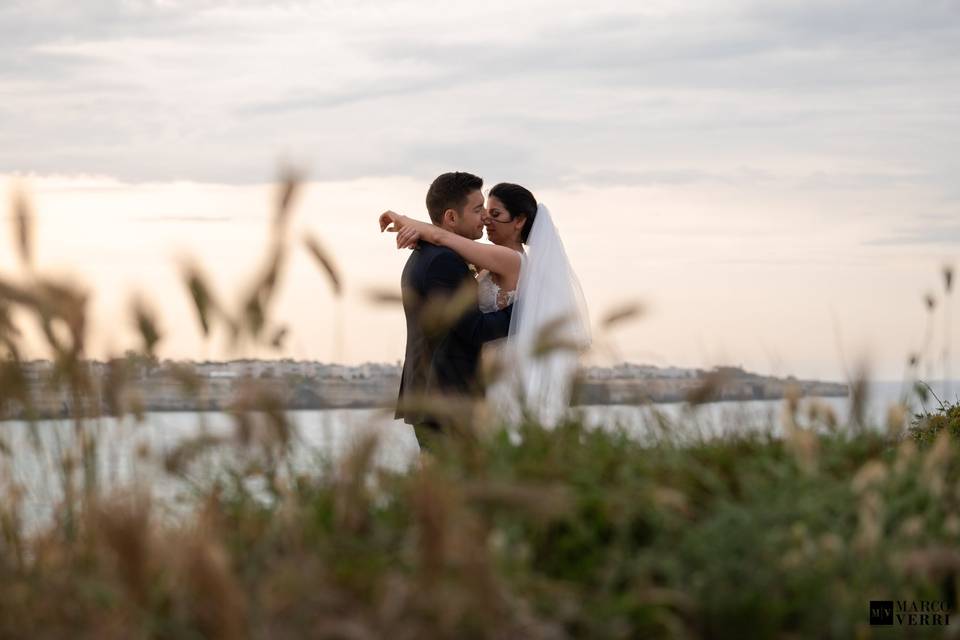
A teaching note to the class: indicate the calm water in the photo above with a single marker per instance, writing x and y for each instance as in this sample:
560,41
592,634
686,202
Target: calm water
129,452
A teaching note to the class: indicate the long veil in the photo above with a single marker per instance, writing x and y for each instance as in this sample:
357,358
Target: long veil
550,325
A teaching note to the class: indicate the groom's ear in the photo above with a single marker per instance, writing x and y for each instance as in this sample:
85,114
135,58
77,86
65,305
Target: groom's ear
450,216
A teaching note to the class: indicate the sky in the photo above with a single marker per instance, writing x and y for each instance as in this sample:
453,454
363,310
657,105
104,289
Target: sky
776,183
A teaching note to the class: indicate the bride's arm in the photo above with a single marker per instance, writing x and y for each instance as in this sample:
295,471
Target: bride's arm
496,259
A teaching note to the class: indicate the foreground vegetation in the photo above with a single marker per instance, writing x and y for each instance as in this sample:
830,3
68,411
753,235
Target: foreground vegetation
557,534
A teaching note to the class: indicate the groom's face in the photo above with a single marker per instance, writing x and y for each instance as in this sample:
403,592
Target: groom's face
469,223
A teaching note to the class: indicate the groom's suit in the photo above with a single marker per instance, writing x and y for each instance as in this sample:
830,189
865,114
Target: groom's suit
443,362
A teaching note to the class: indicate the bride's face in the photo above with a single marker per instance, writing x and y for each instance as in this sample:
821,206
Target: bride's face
502,228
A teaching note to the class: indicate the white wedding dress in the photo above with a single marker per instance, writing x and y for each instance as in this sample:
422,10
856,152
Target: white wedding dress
502,393
490,296
547,300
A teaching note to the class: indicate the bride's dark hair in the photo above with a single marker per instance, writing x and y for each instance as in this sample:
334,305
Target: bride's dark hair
519,202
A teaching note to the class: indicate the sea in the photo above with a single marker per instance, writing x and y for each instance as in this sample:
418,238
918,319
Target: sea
127,452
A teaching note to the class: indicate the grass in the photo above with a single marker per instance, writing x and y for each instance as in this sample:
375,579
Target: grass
566,533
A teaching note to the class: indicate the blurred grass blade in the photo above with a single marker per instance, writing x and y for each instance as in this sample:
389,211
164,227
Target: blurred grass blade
441,312
325,261
187,377
384,296
200,293
146,324
709,388
621,314
23,221
289,187
271,277
276,341
551,338
253,315
177,460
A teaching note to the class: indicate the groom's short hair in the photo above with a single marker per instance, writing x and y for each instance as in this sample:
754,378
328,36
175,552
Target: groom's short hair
450,191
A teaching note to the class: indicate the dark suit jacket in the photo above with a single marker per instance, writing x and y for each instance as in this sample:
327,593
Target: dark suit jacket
444,363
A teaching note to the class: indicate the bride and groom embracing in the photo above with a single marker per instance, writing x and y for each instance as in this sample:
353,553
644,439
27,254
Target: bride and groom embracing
525,292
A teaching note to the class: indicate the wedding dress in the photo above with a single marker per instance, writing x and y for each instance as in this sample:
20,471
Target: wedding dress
490,296
548,310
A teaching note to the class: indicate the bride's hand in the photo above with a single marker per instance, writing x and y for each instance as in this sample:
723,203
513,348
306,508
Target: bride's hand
396,223
407,238
391,221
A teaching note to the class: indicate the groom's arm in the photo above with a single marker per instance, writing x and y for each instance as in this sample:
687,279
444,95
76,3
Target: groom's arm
446,275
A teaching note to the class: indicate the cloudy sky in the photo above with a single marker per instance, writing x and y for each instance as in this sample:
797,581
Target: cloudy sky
777,182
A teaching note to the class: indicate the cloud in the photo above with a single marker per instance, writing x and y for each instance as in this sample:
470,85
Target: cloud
832,180
562,93
347,96
764,45
936,235
669,177
884,21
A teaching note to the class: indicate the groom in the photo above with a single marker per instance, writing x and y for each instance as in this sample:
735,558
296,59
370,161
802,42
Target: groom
441,361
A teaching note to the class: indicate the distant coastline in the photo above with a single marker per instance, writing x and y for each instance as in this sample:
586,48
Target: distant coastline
140,384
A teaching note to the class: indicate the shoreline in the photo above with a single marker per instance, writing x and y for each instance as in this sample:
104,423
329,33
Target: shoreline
215,407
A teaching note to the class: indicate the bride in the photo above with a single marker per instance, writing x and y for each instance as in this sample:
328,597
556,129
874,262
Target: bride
528,267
